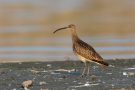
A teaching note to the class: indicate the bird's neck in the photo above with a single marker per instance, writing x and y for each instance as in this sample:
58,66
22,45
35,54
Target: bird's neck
74,34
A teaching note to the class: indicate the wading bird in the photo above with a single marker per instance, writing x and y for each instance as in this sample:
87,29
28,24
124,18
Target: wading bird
84,51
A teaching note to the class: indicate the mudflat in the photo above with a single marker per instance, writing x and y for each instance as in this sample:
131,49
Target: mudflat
66,75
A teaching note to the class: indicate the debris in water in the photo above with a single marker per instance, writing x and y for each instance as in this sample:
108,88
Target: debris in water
14,89
49,65
87,84
131,74
129,68
27,84
65,70
125,73
42,83
43,89
34,71
54,73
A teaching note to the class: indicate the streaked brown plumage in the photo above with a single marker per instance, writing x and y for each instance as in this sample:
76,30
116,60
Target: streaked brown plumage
83,50
86,51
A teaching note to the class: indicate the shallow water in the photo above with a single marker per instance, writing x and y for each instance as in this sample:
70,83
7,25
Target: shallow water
61,49
67,76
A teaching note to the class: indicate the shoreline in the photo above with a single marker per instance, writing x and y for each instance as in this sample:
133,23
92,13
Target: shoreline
25,61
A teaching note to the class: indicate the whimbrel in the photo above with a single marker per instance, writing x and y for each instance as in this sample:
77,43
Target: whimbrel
84,51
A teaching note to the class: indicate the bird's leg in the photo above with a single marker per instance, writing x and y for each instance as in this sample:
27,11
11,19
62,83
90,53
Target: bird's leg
85,67
88,72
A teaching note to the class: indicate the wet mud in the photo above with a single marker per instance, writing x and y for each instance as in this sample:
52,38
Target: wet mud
66,75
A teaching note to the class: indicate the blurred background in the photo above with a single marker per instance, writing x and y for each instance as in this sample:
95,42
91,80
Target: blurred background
26,28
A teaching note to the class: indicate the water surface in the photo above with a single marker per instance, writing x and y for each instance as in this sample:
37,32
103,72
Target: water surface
61,49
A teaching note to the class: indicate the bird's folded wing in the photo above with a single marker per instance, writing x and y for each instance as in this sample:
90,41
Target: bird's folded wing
86,51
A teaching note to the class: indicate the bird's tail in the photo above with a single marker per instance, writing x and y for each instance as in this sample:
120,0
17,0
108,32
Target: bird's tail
101,62
104,63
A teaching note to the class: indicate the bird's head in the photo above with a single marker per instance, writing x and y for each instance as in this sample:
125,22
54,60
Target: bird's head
72,26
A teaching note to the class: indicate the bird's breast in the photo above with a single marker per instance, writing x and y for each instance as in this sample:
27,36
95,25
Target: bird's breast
83,59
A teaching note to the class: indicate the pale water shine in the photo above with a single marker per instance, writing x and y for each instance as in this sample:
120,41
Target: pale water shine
61,49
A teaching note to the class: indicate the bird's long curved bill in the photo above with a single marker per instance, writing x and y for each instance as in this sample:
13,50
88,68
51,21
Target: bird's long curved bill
60,29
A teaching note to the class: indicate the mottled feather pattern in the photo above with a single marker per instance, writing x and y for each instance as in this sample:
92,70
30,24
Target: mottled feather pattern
85,50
